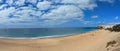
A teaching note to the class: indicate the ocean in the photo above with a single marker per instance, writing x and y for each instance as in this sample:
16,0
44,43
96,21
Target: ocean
34,33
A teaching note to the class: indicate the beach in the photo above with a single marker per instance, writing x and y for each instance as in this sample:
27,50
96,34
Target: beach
99,40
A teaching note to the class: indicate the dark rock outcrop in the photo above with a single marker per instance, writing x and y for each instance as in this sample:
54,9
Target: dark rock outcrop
116,28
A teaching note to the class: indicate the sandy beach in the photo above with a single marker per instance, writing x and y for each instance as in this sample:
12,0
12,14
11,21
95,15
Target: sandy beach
100,40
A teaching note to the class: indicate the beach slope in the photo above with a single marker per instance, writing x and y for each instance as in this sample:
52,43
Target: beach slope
100,40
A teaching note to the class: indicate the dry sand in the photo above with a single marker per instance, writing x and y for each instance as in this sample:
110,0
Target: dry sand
100,40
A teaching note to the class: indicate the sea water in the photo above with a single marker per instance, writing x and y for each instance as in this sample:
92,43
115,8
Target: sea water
22,33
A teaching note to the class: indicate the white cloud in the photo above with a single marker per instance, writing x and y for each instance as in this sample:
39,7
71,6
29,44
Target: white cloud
113,23
43,5
26,15
3,6
88,6
19,2
1,1
95,16
22,15
64,14
4,13
56,1
31,1
83,4
110,1
4,18
86,22
9,2
116,17
45,12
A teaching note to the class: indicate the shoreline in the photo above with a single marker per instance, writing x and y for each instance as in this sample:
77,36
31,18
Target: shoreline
45,37
90,41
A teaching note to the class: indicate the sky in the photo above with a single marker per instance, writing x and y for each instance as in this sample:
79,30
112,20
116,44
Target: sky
58,13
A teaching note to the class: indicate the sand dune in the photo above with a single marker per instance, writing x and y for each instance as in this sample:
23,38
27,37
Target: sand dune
100,40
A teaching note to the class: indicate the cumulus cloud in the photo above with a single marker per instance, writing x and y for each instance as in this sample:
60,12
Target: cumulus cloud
44,5
63,14
19,2
50,12
95,16
9,2
4,18
26,15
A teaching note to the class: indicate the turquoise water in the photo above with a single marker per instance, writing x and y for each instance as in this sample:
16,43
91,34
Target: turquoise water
41,32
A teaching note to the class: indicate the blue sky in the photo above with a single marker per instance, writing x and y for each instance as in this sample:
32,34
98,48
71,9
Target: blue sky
58,13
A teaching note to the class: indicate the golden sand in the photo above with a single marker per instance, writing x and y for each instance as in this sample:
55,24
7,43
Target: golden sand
91,41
